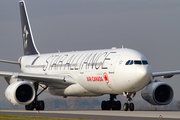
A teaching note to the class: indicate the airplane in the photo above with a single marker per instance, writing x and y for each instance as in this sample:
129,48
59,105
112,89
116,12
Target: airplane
116,71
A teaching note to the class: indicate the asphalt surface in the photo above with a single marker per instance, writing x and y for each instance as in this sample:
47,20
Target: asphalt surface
97,114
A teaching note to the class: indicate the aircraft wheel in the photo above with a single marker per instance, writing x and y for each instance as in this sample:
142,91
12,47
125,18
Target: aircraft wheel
27,107
108,105
116,105
30,106
126,106
131,106
37,105
40,105
103,105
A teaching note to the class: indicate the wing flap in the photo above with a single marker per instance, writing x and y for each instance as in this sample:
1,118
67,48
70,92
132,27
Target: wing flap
49,80
57,79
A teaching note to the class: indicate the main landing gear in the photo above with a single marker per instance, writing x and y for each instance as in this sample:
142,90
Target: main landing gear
111,104
39,105
129,105
116,105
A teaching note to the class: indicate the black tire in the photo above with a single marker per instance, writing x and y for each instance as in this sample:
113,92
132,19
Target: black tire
103,105
114,105
131,106
108,105
40,105
30,106
118,104
27,107
126,106
37,106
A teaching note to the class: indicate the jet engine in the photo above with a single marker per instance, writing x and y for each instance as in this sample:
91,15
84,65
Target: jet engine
20,93
158,93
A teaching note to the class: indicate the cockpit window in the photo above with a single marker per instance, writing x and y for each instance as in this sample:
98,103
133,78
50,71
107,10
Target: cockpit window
136,62
131,62
127,63
144,62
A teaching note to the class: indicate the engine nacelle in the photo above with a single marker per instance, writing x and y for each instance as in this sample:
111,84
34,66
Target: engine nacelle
158,93
20,93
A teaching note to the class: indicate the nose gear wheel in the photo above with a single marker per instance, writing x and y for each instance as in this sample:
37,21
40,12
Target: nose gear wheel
129,105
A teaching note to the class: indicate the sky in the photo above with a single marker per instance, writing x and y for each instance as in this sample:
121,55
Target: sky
151,27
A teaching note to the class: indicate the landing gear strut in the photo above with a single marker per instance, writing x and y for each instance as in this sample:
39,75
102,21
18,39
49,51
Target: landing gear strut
39,105
129,105
111,104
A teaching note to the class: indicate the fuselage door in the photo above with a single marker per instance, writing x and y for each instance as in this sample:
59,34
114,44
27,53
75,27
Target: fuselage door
113,64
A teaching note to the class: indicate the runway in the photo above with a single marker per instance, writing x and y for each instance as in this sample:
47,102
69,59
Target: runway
97,114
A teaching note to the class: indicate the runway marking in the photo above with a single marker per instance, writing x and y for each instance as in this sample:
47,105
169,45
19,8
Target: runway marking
147,114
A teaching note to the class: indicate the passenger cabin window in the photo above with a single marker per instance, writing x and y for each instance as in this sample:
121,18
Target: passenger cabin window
136,62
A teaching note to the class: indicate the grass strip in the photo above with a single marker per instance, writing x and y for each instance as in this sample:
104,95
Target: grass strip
22,117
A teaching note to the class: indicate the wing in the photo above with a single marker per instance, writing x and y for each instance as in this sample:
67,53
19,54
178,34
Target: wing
58,81
11,62
166,74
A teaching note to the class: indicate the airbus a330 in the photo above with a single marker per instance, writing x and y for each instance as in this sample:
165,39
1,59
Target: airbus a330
83,73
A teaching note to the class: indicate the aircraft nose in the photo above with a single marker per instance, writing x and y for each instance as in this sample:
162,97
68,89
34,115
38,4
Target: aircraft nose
143,74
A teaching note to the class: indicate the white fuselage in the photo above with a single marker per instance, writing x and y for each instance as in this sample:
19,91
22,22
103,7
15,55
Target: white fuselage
96,72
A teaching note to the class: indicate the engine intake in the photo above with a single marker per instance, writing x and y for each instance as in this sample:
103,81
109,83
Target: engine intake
24,93
20,93
158,93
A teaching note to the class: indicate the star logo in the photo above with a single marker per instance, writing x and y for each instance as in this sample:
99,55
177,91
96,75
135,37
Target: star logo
25,35
106,77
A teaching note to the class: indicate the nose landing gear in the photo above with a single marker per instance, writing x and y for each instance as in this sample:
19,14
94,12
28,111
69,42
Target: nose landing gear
111,104
129,105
